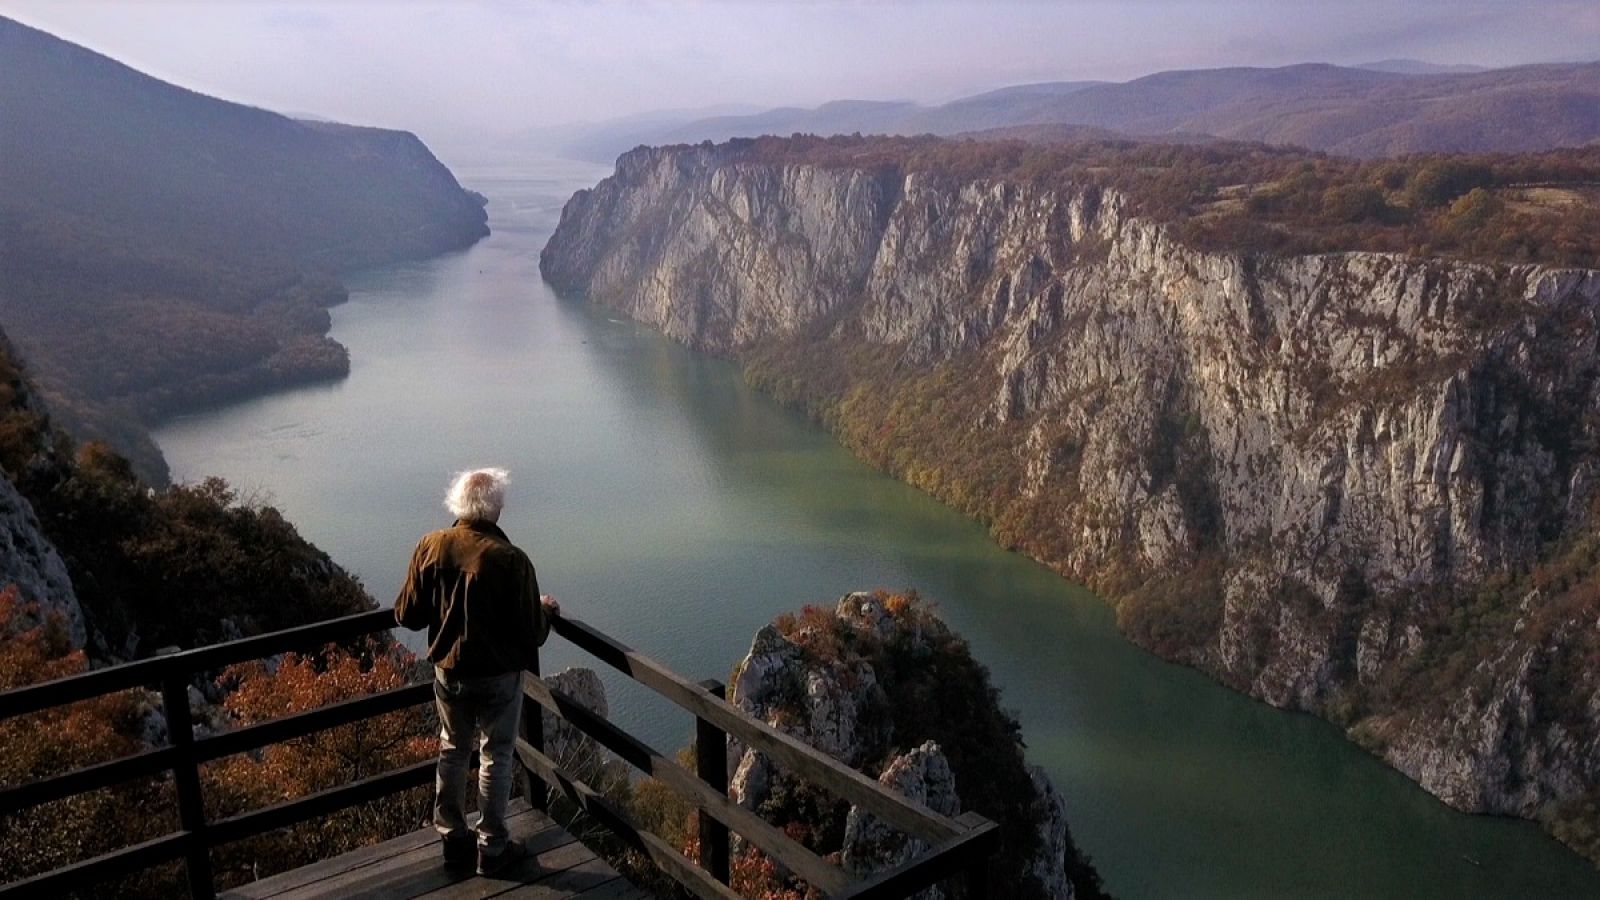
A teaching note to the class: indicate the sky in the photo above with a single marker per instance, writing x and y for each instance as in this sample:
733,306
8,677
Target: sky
485,67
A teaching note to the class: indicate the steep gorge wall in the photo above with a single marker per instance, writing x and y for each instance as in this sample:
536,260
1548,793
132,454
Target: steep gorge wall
1357,484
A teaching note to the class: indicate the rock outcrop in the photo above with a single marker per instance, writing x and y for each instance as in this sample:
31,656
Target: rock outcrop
840,680
1339,482
872,845
563,742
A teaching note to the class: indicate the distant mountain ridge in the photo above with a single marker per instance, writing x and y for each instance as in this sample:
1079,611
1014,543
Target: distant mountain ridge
1420,67
160,248
1387,108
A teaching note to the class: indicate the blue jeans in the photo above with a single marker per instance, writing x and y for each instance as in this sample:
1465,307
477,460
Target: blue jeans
476,714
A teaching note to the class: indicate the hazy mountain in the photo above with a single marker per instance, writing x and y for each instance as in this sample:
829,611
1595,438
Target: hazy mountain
1419,67
994,109
599,140
1023,103
837,117
1386,108
1356,111
160,248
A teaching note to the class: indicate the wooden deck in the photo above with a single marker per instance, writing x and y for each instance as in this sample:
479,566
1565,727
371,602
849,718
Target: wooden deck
412,865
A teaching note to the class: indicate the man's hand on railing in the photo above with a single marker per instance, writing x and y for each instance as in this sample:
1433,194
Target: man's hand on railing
550,605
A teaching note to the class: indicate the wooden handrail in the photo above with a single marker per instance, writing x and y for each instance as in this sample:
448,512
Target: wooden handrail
747,824
91,778
959,844
966,852
806,760
60,692
182,757
242,740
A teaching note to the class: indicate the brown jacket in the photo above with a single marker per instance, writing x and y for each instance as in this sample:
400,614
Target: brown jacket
478,596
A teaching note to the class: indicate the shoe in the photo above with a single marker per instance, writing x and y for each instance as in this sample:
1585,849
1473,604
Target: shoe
513,853
459,850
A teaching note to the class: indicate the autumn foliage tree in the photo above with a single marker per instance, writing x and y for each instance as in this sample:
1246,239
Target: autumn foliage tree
61,739
115,725
258,692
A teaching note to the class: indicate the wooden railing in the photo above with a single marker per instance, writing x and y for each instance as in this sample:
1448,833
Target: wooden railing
957,846
961,845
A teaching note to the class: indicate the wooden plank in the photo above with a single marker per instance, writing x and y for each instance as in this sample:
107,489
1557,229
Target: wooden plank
319,719
289,812
532,727
711,767
546,867
664,855
950,857
339,865
356,859
791,853
419,871
23,700
805,760
186,784
90,778
617,889
569,882
304,637
57,882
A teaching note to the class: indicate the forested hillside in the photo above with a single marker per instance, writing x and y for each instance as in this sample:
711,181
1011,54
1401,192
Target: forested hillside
161,249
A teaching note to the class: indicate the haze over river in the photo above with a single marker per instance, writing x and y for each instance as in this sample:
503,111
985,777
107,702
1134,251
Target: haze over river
671,506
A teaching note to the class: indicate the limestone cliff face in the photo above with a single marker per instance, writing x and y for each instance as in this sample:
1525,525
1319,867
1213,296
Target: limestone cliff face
1340,451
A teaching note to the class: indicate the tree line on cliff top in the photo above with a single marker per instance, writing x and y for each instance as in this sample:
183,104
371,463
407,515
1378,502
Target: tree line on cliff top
1253,198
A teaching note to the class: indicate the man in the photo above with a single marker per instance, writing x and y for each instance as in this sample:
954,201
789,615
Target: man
478,596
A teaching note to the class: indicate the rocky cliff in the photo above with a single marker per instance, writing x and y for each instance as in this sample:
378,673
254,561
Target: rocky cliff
1358,484
880,683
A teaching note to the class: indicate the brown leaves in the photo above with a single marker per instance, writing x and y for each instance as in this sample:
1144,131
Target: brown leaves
261,692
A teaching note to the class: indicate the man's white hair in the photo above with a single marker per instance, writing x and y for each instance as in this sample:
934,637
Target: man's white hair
478,494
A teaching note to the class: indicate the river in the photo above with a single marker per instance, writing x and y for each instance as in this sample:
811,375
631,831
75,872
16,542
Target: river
673,507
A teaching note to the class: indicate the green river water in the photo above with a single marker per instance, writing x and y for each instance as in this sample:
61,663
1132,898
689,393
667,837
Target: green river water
673,507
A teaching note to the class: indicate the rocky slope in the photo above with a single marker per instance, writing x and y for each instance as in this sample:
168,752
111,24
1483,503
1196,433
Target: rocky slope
1358,484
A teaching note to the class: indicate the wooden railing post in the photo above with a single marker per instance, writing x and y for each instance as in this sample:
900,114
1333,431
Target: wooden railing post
186,779
978,879
711,764
533,787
